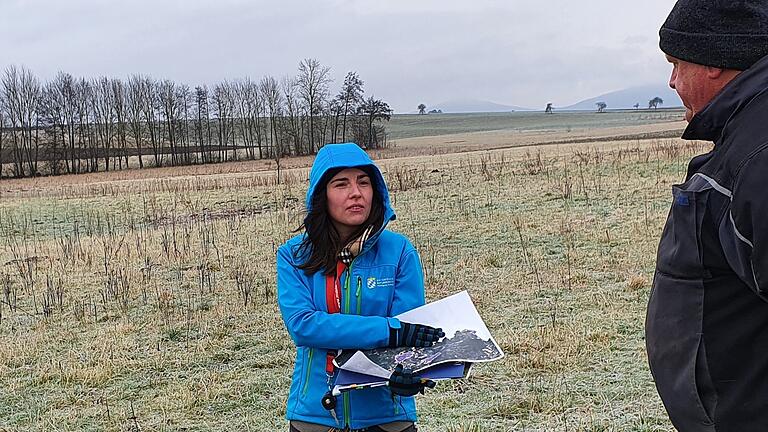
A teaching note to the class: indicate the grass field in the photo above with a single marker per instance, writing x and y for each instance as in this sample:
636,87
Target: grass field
414,125
150,305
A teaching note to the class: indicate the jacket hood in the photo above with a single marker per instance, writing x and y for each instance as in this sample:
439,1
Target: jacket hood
347,155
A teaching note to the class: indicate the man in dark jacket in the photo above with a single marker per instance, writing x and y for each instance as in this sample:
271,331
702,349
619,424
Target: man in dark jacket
707,323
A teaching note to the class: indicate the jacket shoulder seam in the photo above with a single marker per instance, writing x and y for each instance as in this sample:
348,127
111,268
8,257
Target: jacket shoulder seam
737,176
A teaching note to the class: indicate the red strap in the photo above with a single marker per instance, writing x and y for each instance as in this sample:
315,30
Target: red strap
329,367
333,300
333,289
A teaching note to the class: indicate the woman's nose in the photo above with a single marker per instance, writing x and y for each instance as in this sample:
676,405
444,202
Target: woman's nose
354,190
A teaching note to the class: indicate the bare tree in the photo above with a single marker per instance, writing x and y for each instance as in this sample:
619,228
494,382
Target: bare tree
150,113
293,124
21,92
246,103
335,115
258,114
222,109
70,89
240,112
2,132
203,123
120,110
11,91
134,112
183,105
350,98
103,103
273,101
369,134
175,100
52,112
313,80
82,104
2,135
63,94
169,109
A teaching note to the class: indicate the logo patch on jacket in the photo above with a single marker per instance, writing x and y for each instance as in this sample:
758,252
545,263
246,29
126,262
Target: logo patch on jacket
373,282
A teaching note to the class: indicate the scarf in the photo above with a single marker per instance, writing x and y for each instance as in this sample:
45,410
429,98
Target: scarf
353,248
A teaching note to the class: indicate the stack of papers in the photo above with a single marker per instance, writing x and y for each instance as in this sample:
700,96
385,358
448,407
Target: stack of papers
467,341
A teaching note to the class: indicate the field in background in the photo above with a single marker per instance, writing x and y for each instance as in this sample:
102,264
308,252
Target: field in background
502,131
415,125
149,303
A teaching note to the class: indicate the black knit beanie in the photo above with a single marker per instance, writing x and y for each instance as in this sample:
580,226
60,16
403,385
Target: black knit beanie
729,34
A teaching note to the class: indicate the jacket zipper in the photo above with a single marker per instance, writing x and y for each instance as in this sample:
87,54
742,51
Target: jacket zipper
347,295
309,369
358,293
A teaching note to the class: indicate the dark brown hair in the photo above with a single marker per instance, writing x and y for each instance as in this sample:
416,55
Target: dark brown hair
322,244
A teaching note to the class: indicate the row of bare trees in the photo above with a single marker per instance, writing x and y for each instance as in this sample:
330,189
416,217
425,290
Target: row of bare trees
76,125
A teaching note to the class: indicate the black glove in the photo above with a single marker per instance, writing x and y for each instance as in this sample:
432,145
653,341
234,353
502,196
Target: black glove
414,335
403,382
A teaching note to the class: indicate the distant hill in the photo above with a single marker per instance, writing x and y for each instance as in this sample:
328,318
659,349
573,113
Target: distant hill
473,106
627,98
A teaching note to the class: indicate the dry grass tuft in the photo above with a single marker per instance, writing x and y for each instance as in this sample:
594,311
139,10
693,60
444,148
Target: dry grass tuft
637,283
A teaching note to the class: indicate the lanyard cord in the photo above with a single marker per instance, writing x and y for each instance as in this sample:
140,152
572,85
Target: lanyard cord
333,300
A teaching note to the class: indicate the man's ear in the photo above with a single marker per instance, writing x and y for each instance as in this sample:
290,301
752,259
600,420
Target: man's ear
725,75
714,72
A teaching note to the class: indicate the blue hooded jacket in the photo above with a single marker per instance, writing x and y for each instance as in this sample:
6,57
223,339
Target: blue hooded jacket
384,280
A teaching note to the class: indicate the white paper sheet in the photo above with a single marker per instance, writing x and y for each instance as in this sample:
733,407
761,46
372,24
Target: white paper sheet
467,340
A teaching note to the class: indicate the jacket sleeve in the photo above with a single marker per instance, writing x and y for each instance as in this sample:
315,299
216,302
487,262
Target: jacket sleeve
310,327
409,283
749,216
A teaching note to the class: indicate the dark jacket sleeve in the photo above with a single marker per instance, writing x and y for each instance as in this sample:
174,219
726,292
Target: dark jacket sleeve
749,216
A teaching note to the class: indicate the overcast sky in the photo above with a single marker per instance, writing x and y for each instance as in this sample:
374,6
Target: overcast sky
516,52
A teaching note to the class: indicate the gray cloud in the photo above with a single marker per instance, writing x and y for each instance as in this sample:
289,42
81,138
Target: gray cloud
515,52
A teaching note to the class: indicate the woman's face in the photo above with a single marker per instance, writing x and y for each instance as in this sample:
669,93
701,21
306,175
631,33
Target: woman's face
349,194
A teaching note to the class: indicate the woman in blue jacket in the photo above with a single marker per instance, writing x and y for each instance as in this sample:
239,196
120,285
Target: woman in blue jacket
339,284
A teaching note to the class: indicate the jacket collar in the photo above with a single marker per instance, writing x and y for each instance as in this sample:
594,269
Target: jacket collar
708,124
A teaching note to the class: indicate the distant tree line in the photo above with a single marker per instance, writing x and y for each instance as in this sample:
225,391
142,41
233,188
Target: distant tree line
76,125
